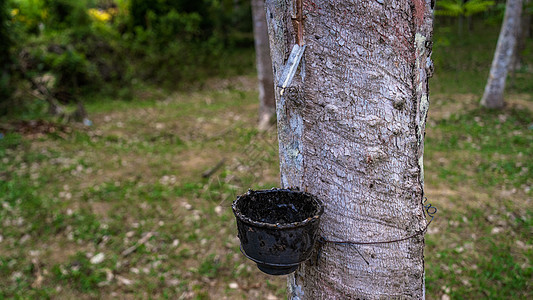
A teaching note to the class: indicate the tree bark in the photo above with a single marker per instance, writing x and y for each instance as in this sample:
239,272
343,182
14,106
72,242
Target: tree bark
493,95
351,131
267,102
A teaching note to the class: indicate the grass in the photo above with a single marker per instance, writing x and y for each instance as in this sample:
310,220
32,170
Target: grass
121,210
479,173
63,203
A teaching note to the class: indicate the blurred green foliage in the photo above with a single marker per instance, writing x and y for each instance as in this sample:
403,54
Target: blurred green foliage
83,47
456,8
5,53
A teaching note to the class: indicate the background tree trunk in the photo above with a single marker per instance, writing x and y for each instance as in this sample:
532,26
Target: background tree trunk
493,95
351,131
267,102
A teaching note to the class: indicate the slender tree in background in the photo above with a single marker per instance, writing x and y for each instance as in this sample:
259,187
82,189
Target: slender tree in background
493,95
267,102
351,131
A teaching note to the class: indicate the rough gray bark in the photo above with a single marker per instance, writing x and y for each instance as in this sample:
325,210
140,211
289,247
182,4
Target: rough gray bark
493,95
351,131
267,102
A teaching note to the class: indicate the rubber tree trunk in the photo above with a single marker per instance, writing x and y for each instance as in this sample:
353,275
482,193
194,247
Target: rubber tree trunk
267,102
351,131
493,95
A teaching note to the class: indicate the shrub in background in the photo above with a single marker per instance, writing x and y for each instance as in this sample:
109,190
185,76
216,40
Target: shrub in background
95,46
62,40
180,41
5,57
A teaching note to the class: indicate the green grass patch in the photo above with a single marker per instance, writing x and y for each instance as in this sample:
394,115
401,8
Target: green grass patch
495,146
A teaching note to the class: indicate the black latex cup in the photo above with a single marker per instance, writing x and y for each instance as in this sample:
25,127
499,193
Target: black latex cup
277,228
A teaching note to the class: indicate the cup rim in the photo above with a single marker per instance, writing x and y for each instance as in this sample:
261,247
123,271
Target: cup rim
292,225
